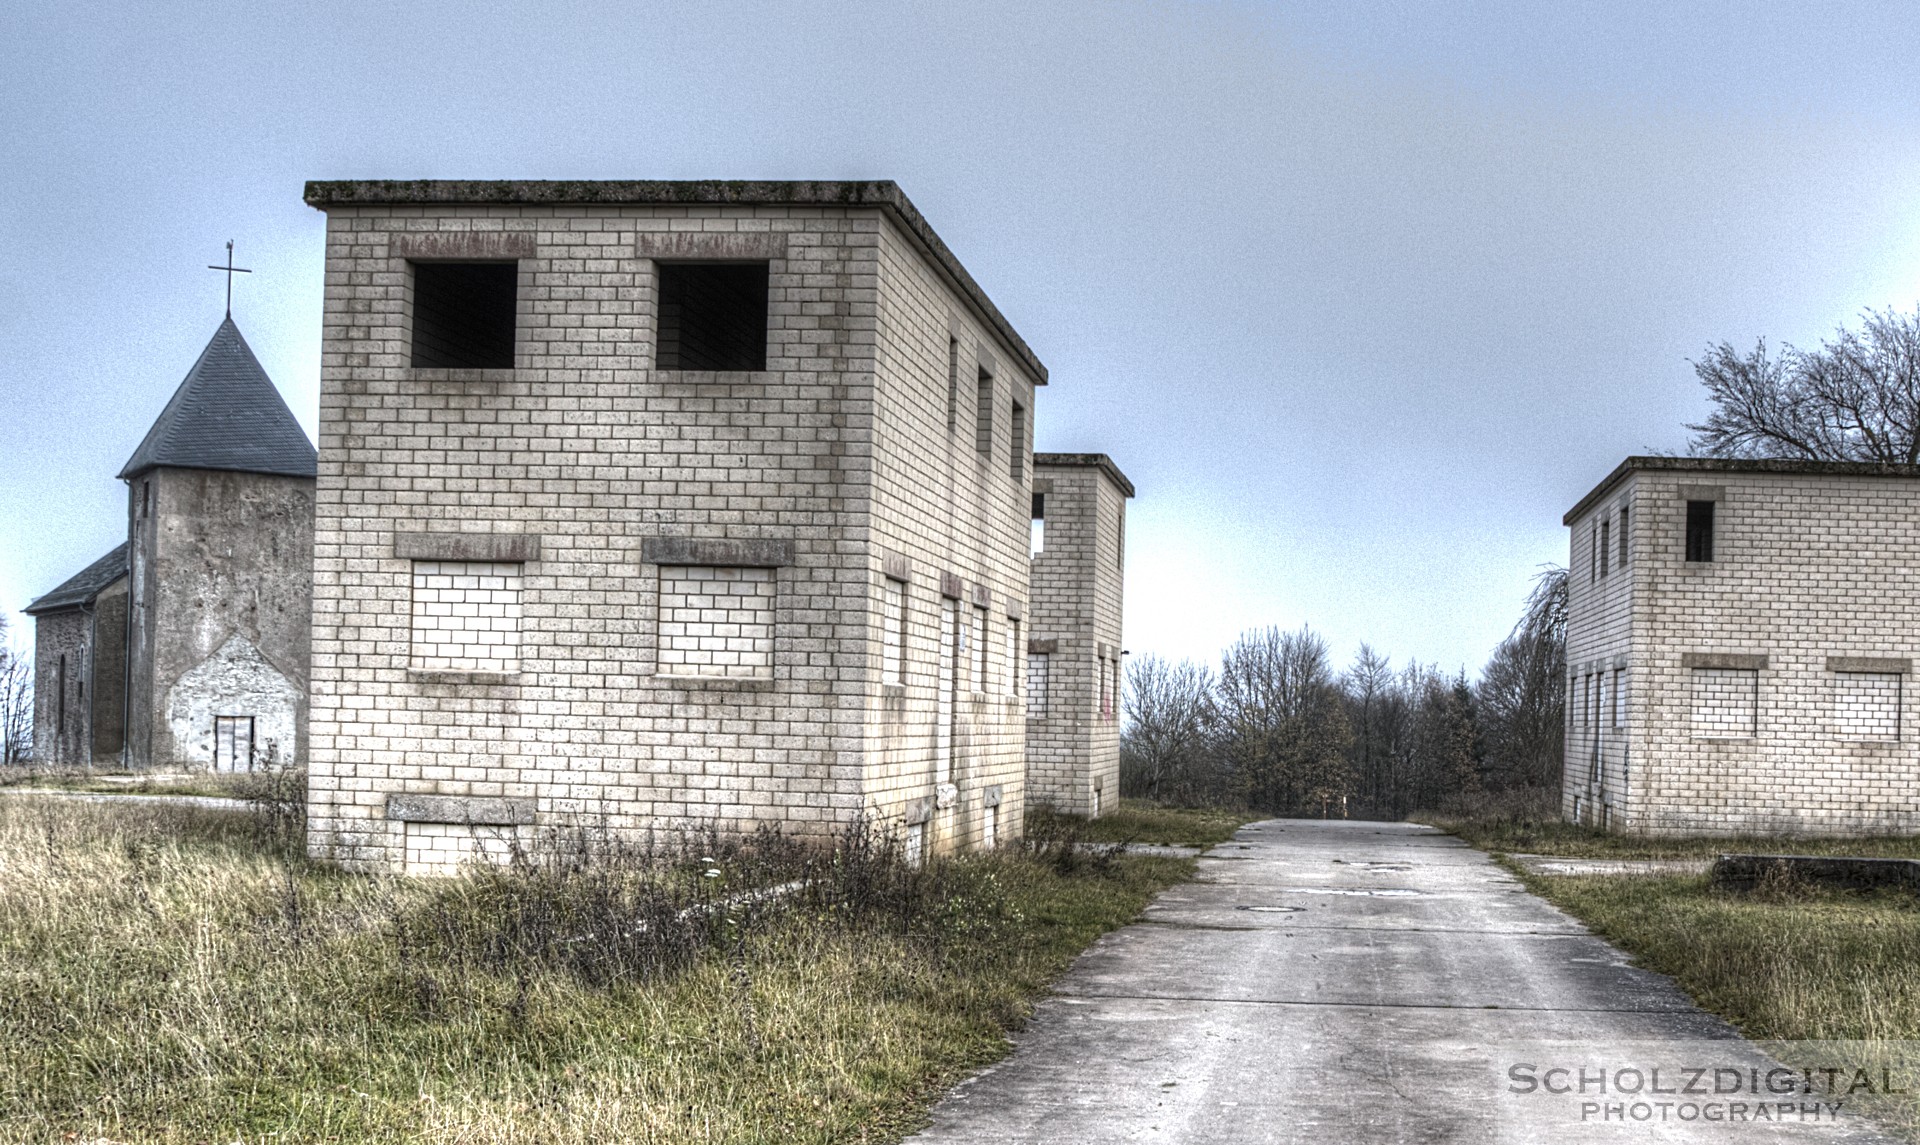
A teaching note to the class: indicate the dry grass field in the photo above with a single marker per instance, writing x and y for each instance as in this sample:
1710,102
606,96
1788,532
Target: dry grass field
178,975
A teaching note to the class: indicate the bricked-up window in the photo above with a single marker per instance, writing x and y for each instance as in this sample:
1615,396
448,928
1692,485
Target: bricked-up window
953,383
1623,536
983,414
893,632
713,316
1017,456
463,315
1700,531
1037,534
716,622
1106,688
1606,544
466,616
1037,684
1013,657
989,826
1726,702
1866,706
979,666
1619,697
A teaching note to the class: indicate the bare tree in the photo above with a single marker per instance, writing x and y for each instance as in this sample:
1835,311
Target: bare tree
1856,398
1283,733
1522,692
16,702
1164,749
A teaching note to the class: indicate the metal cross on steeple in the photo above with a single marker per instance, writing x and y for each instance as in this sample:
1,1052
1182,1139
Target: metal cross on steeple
231,271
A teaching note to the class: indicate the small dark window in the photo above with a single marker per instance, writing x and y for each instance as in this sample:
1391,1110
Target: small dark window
1623,536
713,316
1017,459
1039,506
983,414
1700,531
463,315
1606,544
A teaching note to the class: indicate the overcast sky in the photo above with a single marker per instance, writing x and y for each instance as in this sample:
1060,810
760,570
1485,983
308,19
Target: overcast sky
1361,296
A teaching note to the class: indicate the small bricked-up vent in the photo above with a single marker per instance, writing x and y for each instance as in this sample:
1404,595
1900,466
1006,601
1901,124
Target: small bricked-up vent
1700,531
1726,703
716,622
1037,681
463,315
466,616
713,316
1866,706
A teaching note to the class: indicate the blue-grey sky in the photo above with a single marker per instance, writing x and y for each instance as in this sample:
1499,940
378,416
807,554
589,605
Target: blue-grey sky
1361,295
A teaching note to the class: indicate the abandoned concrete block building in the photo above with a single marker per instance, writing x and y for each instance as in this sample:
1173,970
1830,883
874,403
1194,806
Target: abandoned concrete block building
653,504
187,646
1740,637
1078,543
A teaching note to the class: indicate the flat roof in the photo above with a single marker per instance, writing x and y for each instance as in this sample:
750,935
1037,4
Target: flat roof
882,193
1098,461
1736,465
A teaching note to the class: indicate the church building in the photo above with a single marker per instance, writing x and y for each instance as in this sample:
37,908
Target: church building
187,646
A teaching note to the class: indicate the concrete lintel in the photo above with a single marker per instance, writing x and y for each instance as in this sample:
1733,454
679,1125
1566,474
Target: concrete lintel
455,676
459,809
1042,647
1016,609
462,246
1869,664
920,810
696,247
508,548
982,596
1739,660
951,586
896,566
1700,492
745,552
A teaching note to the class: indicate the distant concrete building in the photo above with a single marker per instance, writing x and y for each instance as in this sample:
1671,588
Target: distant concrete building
1740,646
191,639
1078,543
658,504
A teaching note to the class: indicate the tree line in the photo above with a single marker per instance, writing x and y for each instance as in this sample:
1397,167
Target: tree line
1275,727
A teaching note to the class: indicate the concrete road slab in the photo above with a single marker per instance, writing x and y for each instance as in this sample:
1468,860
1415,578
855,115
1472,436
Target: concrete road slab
1372,983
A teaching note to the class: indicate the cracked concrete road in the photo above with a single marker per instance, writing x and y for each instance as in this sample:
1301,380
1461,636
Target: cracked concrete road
1350,983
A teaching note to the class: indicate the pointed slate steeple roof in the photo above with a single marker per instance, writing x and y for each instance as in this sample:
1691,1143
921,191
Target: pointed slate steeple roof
226,415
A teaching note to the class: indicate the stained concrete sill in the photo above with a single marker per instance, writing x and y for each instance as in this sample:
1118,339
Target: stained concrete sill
716,683
424,676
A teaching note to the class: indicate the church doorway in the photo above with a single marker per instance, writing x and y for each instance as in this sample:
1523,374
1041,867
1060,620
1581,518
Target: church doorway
233,743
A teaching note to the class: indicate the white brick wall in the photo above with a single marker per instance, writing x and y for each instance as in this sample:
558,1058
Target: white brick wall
441,849
1866,706
1811,575
466,616
716,622
1726,703
893,631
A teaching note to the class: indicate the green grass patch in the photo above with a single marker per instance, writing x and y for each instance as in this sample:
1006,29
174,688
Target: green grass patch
210,784
1143,821
177,975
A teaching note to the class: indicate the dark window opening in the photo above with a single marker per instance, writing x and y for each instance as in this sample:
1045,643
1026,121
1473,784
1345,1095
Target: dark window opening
60,695
1039,506
463,315
1037,536
983,414
146,499
1700,531
1606,544
713,316
1623,536
1017,457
